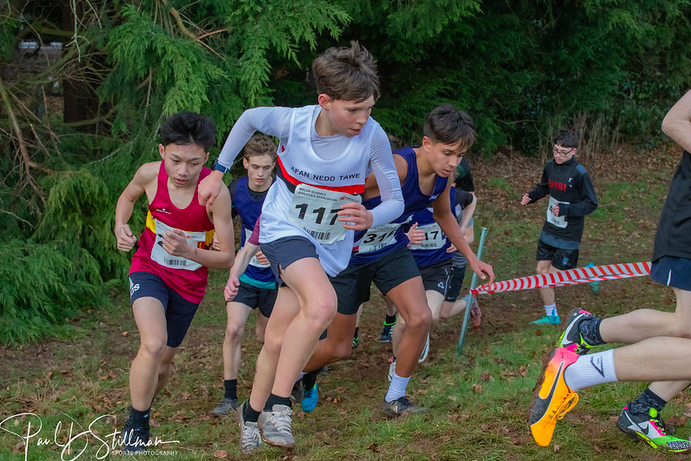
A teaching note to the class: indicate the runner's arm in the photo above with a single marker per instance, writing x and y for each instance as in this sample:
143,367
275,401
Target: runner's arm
144,176
677,122
274,121
387,180
588,202
541,188
176,244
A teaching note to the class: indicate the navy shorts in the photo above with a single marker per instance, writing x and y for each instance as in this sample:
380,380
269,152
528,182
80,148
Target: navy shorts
437,276
457,277
253,297
352,285
672,271
561,259
285,251
179,311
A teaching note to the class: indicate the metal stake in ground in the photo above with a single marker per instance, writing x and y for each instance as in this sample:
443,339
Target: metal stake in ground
473,282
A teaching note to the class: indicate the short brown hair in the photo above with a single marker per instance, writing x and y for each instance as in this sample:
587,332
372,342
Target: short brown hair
260,144
567,138
448,125
349,74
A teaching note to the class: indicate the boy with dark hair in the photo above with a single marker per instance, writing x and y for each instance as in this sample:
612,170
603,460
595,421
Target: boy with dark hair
380,254
257,284
169,271
659,342
571,197
308,220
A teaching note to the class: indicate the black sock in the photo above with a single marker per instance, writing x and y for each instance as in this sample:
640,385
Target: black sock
276,400
390,320
249,414
140,418
647,400
310,378
231,388
357,329
590,331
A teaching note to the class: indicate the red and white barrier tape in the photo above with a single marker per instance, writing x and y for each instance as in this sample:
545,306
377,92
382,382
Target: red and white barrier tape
568,277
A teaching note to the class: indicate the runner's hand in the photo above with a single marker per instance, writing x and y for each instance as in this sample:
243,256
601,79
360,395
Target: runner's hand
261,258
555,209
231,288
451,249
481,269
524,200
175,243
354,216
124,237
415,235
208,189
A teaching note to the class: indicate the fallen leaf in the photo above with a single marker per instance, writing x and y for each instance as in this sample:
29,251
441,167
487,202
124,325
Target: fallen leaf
557,447
220,454
124,333
451,397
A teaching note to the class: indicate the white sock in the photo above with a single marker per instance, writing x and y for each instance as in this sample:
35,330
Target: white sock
590,370
396,388
551,310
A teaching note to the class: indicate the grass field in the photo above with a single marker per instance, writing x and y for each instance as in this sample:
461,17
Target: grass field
477,403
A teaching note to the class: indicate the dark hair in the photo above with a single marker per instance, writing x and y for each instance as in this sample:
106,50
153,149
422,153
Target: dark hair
567,138
349,74
260,144
186,128
448,125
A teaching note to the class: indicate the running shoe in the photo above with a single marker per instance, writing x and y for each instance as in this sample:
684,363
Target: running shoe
386,332
356,342
275,426
134,439
547,320
475,312
650,428
571,337
400,407
392,368
425,351
298,392
309,401
225,406
554,398
250,437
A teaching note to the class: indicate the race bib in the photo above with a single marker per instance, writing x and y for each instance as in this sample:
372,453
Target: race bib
434,238
314,210
559,221
254,261
165,259
378,237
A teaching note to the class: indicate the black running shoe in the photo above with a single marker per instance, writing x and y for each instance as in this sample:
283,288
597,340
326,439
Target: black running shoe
134,439
400,407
